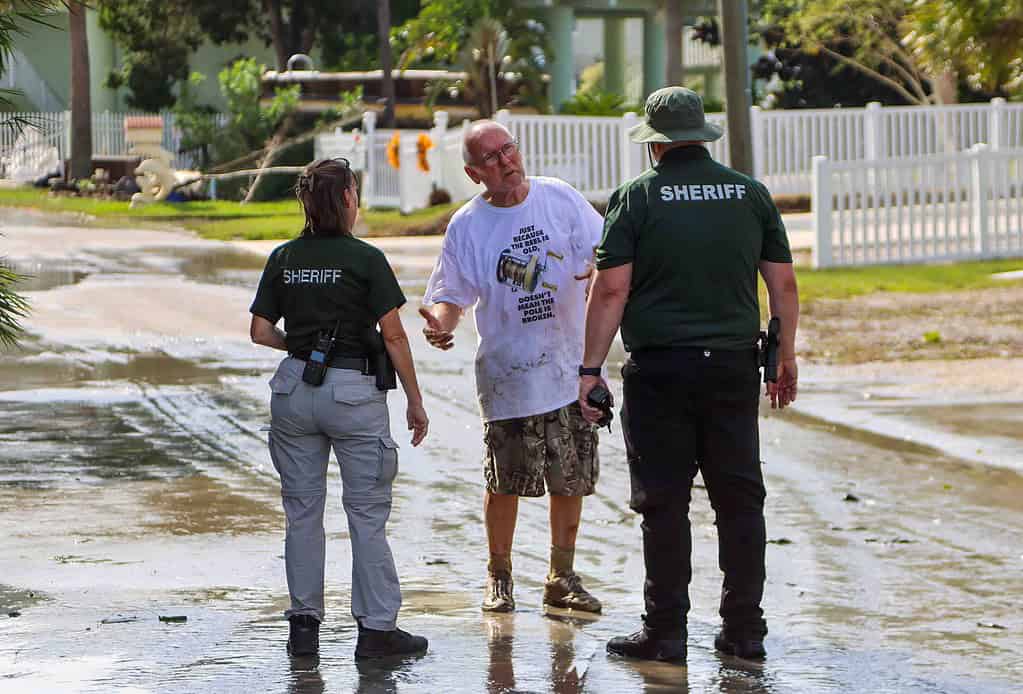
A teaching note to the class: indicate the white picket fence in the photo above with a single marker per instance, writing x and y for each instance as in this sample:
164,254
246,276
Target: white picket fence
406,187
107,134
966,205
595,155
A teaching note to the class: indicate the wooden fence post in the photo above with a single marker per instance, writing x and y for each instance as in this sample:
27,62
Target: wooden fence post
979,184
629,169
369,128
821,207
407,171
436,155
758,131
997,130
873,136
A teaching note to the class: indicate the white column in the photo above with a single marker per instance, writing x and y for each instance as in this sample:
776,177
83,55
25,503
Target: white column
407,172
821,209
758,131
436,155
631,166
997,127
369,129
980,182
873,147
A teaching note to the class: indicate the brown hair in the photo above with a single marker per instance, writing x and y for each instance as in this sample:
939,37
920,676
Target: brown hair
319,189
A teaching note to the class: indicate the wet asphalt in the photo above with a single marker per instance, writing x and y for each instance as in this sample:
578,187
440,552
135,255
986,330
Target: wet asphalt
135,484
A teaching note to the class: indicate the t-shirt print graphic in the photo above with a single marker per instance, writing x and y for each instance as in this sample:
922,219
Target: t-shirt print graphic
522,266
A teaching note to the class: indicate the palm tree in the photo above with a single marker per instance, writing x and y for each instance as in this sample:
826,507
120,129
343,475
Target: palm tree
81,100
674,74
12,21
386,62
483,59
12,307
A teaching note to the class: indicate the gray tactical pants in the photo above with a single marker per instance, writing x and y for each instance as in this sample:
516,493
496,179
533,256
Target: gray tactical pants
350,414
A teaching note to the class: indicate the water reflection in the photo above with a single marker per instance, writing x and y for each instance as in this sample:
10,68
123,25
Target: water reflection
306,677
500,651
39,277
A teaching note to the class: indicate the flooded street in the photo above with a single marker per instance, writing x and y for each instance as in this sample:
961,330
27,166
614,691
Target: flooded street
135,484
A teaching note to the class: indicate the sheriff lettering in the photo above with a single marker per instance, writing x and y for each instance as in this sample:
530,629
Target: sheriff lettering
702,192
312,276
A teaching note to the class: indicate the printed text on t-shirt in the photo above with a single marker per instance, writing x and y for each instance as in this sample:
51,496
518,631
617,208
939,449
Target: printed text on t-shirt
536,307
529,239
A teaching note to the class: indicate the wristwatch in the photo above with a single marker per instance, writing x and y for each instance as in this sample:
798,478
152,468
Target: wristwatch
589,371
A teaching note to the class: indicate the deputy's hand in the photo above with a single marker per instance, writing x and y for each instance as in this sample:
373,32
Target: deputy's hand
418,422
586,384
435,334
783,391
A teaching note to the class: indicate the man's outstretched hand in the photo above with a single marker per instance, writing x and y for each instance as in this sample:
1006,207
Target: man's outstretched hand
434,332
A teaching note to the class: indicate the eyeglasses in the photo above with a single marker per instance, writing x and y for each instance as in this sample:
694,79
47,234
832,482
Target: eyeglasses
508,150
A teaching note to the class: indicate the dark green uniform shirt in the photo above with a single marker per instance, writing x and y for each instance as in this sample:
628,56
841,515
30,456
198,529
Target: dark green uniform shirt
312,281
695,232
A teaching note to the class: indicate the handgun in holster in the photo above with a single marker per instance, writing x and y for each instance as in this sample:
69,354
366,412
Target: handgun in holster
769,350
380,361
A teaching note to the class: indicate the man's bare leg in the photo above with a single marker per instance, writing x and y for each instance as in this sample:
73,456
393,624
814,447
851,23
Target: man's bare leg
500,512
563,587
565,514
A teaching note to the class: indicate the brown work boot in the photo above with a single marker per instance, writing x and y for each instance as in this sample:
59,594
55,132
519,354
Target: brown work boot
566,591
497,595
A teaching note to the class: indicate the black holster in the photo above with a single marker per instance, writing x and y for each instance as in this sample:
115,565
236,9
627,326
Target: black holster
380,360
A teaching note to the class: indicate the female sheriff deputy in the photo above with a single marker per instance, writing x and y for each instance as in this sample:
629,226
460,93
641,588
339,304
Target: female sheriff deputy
328,284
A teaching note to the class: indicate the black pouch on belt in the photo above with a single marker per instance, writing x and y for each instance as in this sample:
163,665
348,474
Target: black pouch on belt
377,354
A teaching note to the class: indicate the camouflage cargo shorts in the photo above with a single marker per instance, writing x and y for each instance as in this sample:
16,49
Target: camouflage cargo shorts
558,448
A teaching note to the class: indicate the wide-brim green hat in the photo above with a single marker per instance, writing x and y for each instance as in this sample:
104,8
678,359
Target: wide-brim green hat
674,114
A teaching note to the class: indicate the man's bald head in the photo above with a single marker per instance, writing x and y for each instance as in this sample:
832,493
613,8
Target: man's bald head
479,130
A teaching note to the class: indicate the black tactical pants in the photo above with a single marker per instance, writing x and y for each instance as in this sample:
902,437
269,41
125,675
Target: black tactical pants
687,410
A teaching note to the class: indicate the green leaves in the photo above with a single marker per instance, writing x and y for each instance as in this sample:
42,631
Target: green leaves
13,307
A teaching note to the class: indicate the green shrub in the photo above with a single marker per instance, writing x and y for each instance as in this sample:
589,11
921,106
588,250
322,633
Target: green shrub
597,103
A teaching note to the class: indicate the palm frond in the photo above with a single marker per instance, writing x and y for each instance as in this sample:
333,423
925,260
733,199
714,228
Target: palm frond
13,307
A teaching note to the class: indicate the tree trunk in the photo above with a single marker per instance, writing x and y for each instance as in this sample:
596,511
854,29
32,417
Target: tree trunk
673,70
946,88
386,62
81,99
278,32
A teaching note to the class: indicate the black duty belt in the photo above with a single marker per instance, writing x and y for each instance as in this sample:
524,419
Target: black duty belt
341,362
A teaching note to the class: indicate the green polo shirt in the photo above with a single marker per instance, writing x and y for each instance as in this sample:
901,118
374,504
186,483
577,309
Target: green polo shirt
695,232
312,281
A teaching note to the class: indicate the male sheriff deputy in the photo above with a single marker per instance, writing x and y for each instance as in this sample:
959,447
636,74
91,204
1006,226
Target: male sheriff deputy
677,270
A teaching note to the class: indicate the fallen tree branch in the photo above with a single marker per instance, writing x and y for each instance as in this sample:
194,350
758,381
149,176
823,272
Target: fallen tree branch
298,139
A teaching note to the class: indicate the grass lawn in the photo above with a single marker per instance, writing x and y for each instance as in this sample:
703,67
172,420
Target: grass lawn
223,219
844,283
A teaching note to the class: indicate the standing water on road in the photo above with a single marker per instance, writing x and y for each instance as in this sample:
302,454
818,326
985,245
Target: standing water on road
135,483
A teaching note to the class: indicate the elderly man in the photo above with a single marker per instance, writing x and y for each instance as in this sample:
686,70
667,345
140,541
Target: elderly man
677,270
520,255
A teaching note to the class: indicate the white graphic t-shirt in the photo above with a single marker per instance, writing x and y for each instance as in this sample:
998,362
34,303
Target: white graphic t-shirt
516,267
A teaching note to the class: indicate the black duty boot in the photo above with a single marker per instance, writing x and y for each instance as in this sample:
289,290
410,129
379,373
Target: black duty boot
304,635
382,644
746,647
647,646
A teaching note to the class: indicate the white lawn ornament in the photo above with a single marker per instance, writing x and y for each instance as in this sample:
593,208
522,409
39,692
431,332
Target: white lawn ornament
154,175
156,181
